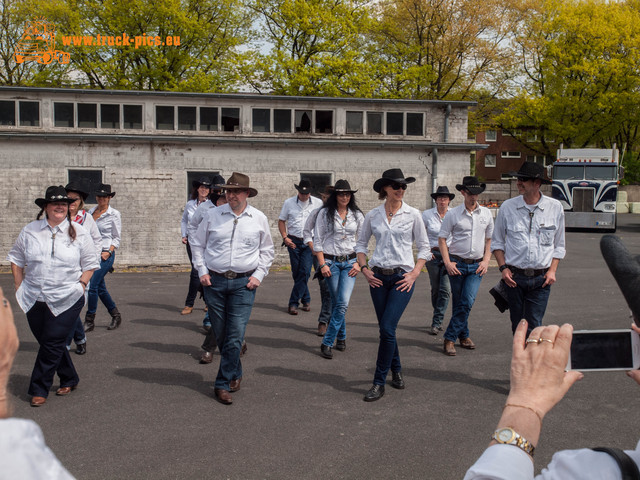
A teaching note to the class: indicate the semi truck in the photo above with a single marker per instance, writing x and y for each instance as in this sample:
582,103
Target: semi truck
585,181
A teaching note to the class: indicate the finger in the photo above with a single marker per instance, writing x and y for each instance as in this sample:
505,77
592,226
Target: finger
634,327
564,337
520,336
635,374
548,335
570,377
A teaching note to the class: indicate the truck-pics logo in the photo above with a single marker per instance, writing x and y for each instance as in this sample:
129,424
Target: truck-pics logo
38,42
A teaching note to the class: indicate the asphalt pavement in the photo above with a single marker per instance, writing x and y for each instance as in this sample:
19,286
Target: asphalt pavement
145,409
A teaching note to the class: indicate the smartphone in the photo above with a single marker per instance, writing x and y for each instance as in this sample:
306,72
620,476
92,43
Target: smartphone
602,350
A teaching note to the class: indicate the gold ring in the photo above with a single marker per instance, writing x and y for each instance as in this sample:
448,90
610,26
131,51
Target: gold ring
545,340
533,340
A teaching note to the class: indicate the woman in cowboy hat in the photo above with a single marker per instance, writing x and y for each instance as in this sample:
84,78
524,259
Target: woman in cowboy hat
77,192
52,262
392,271
109,223
440,287
199,196
337,226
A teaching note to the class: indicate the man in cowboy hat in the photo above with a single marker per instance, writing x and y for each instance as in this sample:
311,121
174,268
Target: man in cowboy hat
466,258
232,250
293,216
528,243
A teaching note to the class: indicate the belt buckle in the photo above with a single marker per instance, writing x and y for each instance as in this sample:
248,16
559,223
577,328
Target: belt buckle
230,275
529,272
340,258
387,271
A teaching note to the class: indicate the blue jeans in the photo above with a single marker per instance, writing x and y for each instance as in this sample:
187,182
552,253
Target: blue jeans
194,282
340,287
440,289
463,290
389,305
301,259
53,357
230,303
325,295
77,333
527,300
98,288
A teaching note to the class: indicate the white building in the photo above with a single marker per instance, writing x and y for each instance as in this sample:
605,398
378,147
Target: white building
150,145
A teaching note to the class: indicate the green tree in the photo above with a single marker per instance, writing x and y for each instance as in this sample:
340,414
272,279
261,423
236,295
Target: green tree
580,83
437,49
316,48
204,54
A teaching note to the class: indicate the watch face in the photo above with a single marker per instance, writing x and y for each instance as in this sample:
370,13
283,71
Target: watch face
505,435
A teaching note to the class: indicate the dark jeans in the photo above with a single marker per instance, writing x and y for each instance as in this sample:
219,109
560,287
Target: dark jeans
463,291
389,305
230,303
527,300
440,289
301,259
98,287
53,357
194,281
325,296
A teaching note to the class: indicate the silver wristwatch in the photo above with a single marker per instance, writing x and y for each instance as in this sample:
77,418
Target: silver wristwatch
508,436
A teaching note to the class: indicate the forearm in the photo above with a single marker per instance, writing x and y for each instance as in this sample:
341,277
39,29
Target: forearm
499,254
487,250
554,265
85,278
282,228
444,251
18,275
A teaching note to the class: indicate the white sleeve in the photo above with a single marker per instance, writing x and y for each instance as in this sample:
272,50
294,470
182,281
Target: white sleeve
501,462
184,223
362,244
17,253
116,229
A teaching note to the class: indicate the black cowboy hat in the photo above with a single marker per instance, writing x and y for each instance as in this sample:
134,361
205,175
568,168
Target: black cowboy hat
206,181
240,181
531,171
472,185
393,175
78,187
218,181
104,190
443,192
343,186
54,194
304,187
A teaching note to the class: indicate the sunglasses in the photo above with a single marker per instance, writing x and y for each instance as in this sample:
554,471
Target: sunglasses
398,186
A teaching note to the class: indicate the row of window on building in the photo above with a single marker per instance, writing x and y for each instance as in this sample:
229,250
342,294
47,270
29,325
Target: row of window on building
491,159
211,119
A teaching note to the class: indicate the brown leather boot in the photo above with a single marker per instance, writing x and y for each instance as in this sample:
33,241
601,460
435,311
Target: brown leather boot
449,348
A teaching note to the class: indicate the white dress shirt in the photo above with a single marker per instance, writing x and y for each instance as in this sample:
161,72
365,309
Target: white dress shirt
309,230
433,222
507,462
296,212
468,231
86,220
530,241
25,455
197,217
189,209
110,226
338,238
52,265
394,240
226,242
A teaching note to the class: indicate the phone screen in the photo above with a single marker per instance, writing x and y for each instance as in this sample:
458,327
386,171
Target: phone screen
600,350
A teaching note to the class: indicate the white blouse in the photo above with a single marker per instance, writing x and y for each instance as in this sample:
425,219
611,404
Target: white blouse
394,240
339,238
52,264
110,226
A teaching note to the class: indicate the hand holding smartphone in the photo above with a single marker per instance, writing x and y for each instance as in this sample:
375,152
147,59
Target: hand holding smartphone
604,350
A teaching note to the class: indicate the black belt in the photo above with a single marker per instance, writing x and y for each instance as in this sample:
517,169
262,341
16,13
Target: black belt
528,272
297,239
468,261
230,275
387,271
435,249
340,258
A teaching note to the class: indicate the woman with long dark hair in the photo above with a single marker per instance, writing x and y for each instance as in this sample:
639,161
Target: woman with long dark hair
52,262
392,270
337,227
